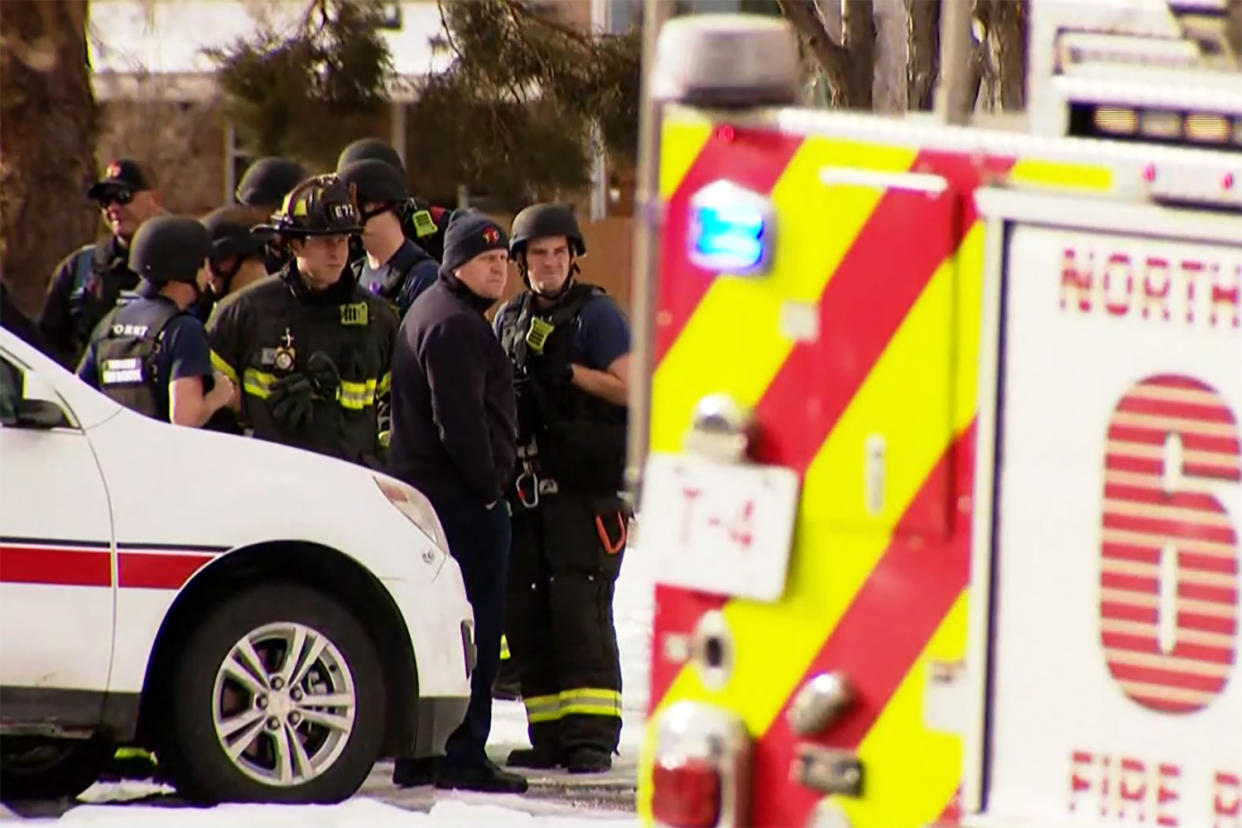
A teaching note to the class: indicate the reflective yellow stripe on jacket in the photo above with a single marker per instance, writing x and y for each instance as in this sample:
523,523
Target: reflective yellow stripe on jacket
352,395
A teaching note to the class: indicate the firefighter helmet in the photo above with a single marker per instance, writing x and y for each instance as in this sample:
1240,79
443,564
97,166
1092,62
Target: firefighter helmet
542,220
319,206
169,249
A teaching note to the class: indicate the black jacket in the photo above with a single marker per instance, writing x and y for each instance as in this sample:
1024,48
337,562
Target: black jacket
454,417
270,329
87,285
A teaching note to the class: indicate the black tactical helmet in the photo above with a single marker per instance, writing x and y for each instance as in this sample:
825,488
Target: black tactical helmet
319,206
375,180
541,220
266,182
372,148
232,235
169,249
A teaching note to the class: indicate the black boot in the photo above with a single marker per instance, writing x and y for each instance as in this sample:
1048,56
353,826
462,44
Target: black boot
586,759
540,758
411,773
483,776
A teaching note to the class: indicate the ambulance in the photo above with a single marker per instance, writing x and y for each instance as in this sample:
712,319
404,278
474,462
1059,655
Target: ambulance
939,445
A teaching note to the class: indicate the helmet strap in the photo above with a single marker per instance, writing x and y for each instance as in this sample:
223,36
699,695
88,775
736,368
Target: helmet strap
227,275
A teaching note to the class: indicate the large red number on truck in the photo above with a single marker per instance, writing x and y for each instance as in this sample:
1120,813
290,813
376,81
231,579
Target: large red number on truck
1169,555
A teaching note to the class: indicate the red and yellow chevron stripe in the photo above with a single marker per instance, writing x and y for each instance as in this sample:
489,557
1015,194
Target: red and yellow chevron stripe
893,277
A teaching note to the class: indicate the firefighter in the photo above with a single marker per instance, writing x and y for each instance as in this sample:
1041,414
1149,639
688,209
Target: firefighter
95,278
569,346
310,349
391,266
423,223
151,355
454,425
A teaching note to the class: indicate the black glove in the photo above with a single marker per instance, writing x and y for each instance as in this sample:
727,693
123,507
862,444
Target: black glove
324,377
290,400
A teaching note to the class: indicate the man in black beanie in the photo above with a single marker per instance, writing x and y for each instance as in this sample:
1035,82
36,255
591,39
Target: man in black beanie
454,435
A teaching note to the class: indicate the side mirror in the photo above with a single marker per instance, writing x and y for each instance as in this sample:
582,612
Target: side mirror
39,414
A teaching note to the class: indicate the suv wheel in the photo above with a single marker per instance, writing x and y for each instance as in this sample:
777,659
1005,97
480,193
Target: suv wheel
279,697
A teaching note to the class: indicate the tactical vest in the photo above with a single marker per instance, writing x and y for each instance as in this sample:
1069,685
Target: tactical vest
396,285
97,288
126,358
571,436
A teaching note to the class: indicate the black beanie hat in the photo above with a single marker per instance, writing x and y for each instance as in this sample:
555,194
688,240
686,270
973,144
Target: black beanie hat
470,233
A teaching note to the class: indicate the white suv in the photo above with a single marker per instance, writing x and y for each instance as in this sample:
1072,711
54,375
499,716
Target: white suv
268,620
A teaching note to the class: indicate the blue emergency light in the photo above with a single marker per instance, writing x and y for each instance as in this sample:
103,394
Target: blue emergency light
731,229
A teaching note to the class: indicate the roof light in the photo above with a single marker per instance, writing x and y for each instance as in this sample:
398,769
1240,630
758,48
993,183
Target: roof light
727,60
1206,127
1113,120
731,229
1159,123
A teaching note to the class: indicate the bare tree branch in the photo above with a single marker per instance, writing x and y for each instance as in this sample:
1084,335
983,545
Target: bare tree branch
833,59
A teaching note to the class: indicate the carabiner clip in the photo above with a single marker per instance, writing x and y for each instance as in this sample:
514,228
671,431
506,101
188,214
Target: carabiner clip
533,500
610,547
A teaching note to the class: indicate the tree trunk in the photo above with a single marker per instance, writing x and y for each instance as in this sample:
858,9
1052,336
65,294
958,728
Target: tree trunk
849,67
923,46
890,92
1003,53
860,40
47,131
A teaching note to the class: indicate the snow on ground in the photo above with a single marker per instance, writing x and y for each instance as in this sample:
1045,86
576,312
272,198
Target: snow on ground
356,813
632,607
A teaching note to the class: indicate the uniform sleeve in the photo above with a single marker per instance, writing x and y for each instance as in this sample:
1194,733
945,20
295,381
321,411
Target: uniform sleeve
603,334
224,341
455,364
189,355
54,323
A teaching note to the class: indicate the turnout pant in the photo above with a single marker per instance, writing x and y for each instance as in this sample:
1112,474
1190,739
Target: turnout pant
564,563
478,539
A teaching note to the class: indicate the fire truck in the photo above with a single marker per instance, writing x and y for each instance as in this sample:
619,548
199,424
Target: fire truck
938,436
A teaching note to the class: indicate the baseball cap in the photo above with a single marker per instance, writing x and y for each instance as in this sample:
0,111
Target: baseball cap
121,174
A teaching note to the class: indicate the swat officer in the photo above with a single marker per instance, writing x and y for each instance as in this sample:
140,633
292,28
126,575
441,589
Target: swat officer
423,223
308,347
95,278
392,266
569,346
267,181
236,260
263,188
454,424
151,355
